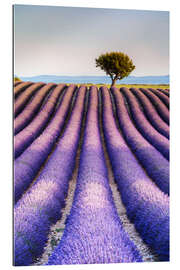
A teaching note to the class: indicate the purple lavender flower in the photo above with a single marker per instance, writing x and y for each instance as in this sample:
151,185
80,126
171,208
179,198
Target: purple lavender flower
159,106
24,138
151,113
25,97
20,87
161,95
160,142
31,109
28,164
93,232
147,206
41,205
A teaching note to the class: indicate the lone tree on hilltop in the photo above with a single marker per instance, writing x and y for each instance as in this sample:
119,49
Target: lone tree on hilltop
116,64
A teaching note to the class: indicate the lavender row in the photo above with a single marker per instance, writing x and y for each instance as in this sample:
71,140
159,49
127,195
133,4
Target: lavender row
151,159
24,138
41,205
164,91
29,163
31,109
22,100
146,205
151,113
21,87
160,142
158,104
16,83
161,96
93,232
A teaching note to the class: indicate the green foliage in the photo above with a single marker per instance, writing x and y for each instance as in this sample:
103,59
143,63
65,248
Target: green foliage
116,64
16,79
59,230
53,242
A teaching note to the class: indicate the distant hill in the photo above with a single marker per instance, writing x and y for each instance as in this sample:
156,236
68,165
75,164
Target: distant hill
98,79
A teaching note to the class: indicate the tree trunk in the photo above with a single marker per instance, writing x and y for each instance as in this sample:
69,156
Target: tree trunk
113,82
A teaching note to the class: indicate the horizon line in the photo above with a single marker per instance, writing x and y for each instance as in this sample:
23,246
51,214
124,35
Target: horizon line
89,75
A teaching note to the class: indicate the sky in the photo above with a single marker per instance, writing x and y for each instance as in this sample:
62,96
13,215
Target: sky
66,40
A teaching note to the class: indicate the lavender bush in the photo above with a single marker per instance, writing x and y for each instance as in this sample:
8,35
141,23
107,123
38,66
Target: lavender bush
24,138
29,163
160,142
147,206
41,205
152,160
151,113
162,97
21,87
93,232
16,83
164,91
160,107
26,116
25,97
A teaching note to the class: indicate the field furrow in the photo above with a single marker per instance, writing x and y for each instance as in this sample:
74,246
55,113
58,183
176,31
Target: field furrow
41,205
155,164
25,97
24,138
20,87
16,83
27,115
163,98
146,205
151,113
146,252
30,162
91,174
160,142
93,232
164,91
158,104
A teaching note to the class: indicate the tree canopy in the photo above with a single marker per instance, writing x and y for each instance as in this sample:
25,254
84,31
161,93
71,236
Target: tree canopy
116,64
17,79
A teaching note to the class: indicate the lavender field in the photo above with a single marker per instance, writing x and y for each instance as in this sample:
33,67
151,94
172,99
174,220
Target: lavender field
91,174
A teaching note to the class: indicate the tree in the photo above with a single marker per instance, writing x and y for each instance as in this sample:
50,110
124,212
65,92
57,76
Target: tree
116,64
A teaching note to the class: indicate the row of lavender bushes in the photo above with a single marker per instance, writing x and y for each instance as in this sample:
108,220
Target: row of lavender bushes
162,97
93,232
146,205
20,87
28,164
84,213
160,107
165,91
25,97
24,138
26,116
151,113
160,142
152,160
41,205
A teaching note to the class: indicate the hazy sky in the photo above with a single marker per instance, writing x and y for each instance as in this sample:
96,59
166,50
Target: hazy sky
66,41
